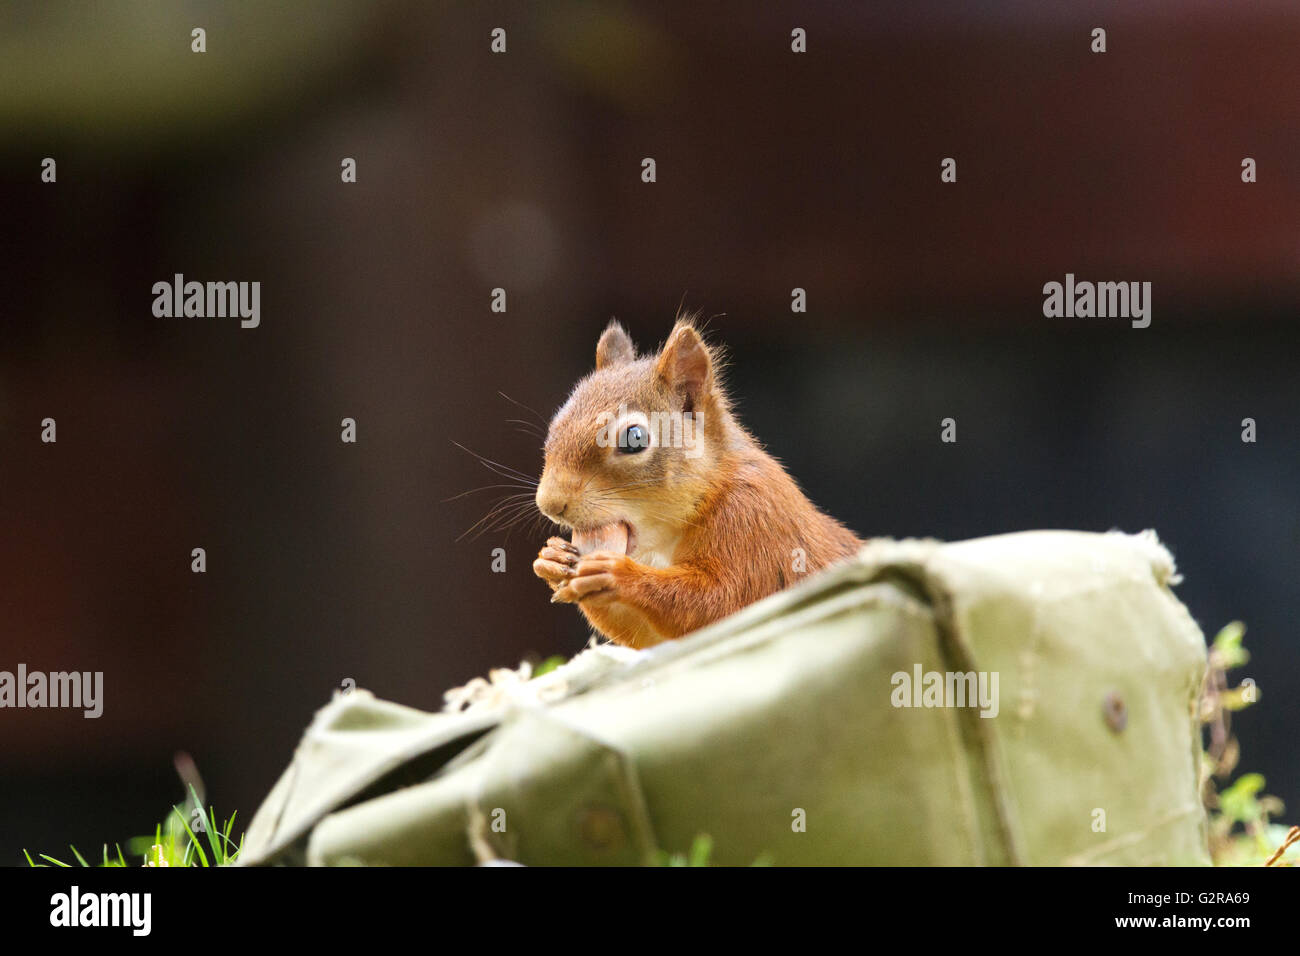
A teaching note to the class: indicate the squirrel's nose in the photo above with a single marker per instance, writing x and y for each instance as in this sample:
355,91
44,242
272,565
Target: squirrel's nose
550,502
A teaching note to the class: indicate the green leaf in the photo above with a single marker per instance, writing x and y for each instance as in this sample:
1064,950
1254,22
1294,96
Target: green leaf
1237,698
1239,802
548,665
701,850
1227,644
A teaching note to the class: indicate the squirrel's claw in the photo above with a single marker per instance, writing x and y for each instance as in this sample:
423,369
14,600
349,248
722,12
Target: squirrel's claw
559,544
594,578
556,563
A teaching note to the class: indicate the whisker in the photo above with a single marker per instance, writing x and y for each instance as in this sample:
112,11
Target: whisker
505,471
534,526
630,485
473,491
527,427
508,518
506,504
531,411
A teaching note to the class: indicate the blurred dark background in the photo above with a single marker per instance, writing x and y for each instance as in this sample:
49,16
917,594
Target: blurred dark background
521,170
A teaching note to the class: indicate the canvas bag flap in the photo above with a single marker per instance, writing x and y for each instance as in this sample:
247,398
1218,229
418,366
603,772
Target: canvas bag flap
774,731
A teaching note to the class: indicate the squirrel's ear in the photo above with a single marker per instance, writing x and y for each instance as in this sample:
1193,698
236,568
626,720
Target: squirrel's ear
685,363
614,347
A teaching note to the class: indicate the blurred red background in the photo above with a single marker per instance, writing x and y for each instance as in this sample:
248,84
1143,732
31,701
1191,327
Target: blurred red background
476,170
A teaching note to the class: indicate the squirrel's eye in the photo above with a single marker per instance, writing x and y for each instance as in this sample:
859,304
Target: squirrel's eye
634,438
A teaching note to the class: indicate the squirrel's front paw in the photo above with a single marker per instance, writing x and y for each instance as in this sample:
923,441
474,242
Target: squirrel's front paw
595,579
556,562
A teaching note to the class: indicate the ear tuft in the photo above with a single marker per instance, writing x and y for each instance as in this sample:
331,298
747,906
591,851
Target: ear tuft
615,346
685,363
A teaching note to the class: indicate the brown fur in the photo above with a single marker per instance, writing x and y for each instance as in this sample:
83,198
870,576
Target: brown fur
715,532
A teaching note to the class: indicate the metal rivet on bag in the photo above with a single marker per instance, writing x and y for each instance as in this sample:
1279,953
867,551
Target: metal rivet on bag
601,827
1115,711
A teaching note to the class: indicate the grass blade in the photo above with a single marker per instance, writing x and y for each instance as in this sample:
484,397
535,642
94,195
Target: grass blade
203,857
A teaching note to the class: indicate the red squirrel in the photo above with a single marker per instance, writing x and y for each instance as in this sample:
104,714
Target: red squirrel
678,515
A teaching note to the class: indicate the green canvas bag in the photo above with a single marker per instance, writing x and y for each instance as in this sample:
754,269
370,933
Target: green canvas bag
838,722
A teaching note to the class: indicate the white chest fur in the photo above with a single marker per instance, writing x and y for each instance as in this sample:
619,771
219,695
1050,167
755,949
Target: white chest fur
656,543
